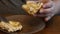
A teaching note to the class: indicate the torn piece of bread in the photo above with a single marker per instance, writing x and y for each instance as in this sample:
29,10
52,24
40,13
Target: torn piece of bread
32,7
12,26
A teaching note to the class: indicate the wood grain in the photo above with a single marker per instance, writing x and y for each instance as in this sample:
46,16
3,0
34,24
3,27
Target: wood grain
53,28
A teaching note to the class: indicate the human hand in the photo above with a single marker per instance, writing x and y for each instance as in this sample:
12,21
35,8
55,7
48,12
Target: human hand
49,10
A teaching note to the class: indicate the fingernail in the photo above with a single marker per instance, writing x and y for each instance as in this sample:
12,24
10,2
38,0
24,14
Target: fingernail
46,19
41,11
45,5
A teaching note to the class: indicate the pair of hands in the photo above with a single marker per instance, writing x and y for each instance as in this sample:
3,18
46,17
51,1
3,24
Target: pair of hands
49,10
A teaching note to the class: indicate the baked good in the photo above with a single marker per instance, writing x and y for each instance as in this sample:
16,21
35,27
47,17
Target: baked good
32,7
10,26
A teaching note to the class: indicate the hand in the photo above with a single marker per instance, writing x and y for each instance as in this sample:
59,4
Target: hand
49,10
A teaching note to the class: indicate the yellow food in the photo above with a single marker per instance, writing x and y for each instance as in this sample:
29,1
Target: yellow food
11,26
32,7
15,24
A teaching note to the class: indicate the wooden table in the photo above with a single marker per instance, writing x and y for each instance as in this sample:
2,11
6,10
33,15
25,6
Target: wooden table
53,28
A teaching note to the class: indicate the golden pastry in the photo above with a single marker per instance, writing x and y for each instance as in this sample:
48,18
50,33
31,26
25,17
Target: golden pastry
32,7
11,26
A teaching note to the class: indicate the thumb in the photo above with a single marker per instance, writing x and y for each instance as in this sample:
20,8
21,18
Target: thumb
48,17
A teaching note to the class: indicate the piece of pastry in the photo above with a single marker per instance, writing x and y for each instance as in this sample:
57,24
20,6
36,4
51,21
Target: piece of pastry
32,7
12,26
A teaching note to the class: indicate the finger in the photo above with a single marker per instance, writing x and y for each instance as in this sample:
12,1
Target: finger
46,10
49,17
39,15
48,5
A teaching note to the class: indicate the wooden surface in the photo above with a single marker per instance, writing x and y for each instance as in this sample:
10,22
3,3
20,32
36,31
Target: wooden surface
53,28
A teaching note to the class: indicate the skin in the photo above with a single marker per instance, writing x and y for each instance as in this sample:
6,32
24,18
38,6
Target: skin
50,8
